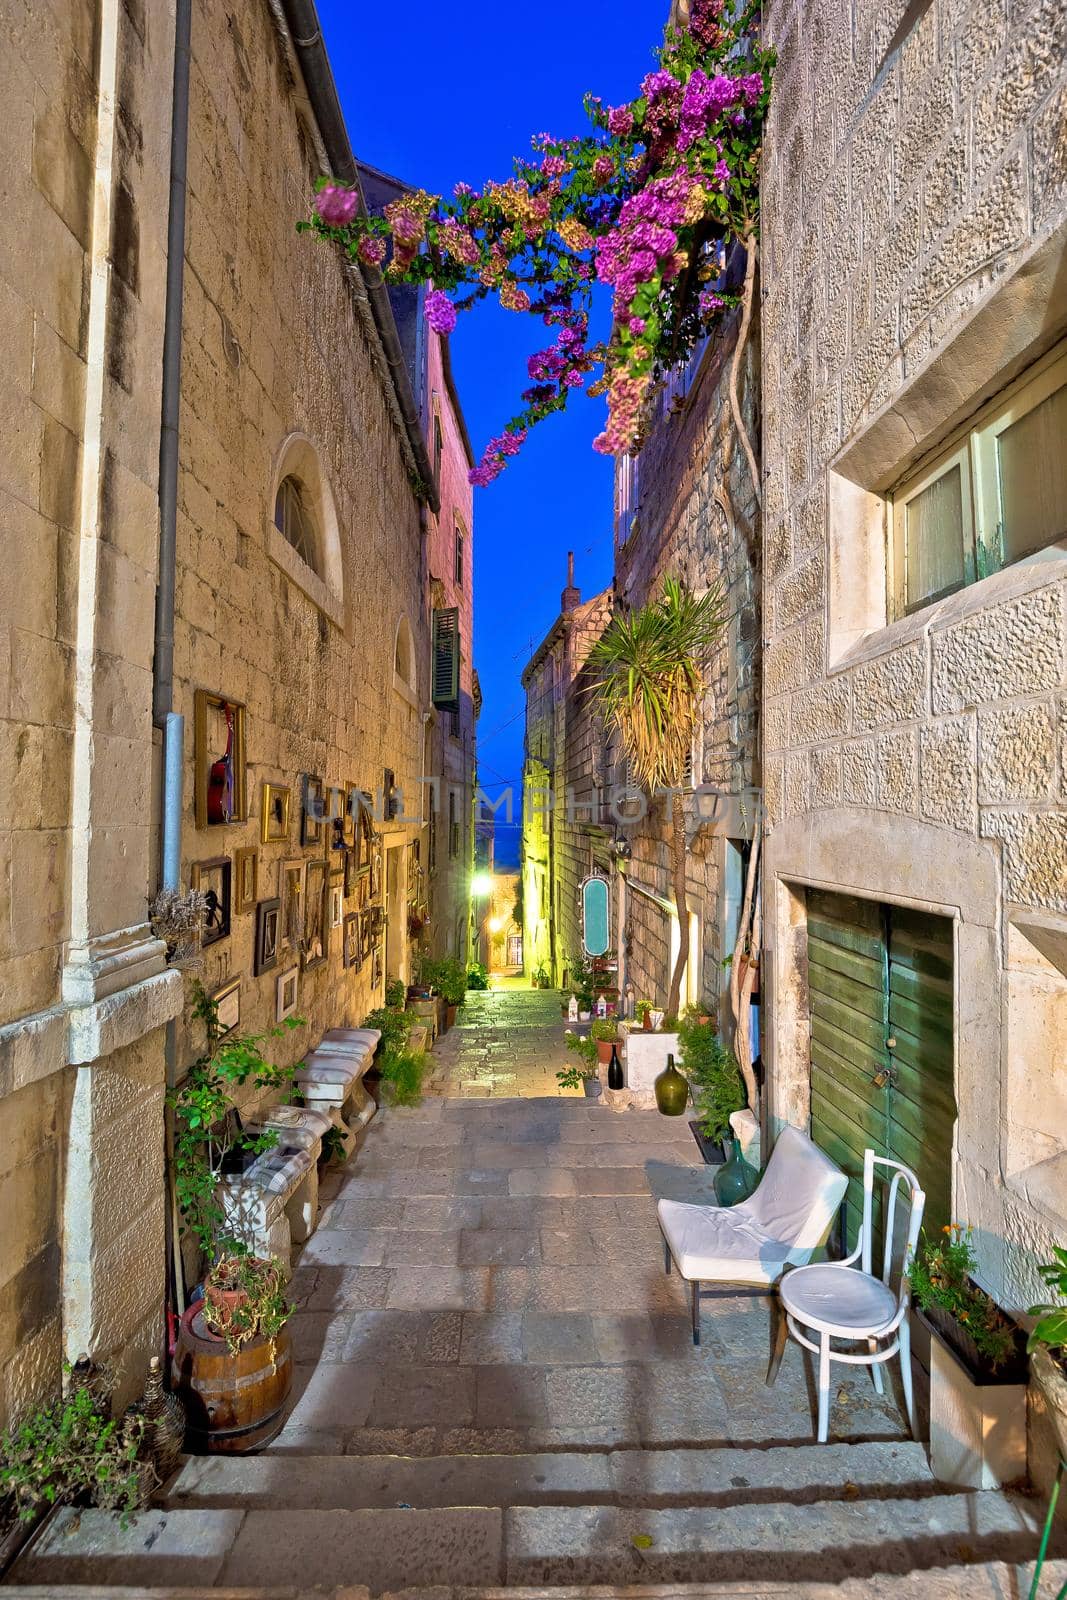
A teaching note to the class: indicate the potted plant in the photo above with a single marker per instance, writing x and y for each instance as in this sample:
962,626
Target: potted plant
477,976
583,1073
244,1299
585,1005
542,978
71,1452
450,976
604,1034
978,1370
718,1089
1047,1345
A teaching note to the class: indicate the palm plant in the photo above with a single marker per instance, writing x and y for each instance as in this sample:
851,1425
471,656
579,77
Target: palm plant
648,679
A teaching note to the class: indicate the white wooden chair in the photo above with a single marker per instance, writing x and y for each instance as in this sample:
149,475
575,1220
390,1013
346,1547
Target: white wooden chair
749,1246
838,1300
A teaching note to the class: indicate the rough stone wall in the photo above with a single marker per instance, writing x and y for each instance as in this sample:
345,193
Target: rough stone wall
272,344
914,202
696,519
452,738
82,258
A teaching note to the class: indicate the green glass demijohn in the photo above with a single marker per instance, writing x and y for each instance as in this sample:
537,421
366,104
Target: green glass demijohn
736,1180
672,1090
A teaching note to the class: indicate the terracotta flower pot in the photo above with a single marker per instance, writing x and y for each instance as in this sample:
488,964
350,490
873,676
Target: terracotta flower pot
221,1305
603,1050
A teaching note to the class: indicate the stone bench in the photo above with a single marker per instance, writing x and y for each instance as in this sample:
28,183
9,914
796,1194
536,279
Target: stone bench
331,1080
274,1204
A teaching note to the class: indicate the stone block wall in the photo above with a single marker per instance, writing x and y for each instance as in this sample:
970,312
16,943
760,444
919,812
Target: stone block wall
85,154
274,343
914,210
696,520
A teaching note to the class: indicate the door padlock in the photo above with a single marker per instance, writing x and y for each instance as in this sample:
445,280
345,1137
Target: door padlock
882,1077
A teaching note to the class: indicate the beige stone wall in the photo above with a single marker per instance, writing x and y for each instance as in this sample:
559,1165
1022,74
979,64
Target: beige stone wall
914,209
84,147
273,344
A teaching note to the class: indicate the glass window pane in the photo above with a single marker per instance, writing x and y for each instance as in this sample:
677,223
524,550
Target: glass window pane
293,521
934,539
1032,467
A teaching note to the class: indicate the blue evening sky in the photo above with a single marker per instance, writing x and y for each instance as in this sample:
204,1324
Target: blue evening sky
435,96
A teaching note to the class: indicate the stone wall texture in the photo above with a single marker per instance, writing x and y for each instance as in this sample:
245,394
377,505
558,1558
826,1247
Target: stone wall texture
274,344
913,174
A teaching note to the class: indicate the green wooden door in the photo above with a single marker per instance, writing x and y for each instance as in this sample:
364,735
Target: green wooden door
880,986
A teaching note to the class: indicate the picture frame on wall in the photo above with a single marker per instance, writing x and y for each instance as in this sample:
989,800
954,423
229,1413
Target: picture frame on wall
246,875
337,900
376,862
274,813
268,933
353,940
219,772
316,944
286,993
312,809
214,880
227,1001
376,970
291,895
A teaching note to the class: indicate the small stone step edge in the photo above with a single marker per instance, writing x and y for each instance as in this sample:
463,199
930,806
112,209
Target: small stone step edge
618,1477
536,1547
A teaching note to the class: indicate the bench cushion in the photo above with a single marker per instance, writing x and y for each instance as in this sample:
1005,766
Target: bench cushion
368,1036
279,1173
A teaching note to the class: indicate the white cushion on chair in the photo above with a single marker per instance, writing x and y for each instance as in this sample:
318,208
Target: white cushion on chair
839,1298
789,1215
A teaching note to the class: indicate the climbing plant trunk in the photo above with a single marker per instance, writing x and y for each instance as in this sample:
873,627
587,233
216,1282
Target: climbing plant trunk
743,970
680,901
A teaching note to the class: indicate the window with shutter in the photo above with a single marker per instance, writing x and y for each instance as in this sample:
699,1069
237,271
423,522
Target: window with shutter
446,659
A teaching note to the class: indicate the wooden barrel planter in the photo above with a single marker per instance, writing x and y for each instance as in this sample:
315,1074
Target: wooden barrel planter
235,1403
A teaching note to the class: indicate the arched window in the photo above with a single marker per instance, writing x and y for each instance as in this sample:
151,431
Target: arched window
404,677
304,539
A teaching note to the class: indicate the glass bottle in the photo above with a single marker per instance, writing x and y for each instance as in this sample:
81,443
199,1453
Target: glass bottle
672,1090
736,1180
615,1077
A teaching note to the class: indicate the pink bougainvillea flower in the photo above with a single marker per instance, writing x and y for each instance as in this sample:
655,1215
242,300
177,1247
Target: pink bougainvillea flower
336,205
371,250
439,312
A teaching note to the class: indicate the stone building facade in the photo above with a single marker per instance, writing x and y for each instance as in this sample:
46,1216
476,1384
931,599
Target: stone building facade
562,838
302,597
914,223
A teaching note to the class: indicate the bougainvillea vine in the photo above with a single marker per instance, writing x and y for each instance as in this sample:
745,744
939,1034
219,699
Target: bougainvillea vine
645,204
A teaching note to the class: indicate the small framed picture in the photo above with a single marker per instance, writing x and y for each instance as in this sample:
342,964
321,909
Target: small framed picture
213,878
376,859
312,809
274,813
316,945
363,889
353,940
219,792
268,919
286,993
337,901
246,869
228,1006
291,895
376,967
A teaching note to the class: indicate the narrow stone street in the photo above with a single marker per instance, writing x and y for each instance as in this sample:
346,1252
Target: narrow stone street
495,1382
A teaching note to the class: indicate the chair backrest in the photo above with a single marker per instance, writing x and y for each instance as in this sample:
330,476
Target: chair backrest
902,1178
798,1194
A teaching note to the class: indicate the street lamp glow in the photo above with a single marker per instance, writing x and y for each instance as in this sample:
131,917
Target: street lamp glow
481,884
495,924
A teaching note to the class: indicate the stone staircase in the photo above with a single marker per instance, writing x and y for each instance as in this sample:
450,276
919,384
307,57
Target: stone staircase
793,1520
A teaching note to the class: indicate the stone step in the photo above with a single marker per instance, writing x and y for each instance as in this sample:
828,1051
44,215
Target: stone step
389,1550
620,1477
989,1581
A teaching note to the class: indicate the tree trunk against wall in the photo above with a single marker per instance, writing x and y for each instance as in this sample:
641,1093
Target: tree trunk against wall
743,972
678,876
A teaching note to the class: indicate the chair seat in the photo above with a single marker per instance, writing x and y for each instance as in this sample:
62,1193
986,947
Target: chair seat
709,1243
838,1299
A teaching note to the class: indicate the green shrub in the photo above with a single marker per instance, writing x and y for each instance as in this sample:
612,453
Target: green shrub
604,1028
941,1276
394,1026
448,976
395,994
402,1073
477,976
72,1451
1051,1329
712,1069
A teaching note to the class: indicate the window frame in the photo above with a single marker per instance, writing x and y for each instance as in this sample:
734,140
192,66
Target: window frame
974,448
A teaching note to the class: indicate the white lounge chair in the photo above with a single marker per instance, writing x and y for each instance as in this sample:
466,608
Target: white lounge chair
838,1300
751,1244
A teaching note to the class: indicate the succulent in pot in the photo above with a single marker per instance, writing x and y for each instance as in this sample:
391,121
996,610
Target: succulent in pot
244,1297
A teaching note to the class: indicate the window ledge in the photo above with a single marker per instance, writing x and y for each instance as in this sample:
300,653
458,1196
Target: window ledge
405,691
306,579
1022,578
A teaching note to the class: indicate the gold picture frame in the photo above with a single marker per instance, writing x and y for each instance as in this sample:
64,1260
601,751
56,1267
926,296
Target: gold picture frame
245,879
316,941
219,771
291,877
274,813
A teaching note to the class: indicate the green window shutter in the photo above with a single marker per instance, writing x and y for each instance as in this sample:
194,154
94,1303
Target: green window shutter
446,659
